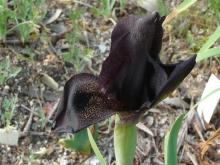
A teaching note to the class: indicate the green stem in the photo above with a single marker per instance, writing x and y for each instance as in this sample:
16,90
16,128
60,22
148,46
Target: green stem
125,138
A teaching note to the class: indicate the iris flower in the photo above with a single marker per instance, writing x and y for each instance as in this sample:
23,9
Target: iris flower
132,79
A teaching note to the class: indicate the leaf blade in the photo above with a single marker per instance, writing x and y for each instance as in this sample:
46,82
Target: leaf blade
185,5
95,148
208,53
170,144
214,37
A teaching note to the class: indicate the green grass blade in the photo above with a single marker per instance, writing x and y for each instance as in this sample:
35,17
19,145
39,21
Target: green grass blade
162,7
170,144
95,148
208,53
214,37
122,4
179,9
185,5
112,3
3,19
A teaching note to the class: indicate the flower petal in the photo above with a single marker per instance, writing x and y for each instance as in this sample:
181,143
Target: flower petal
82,104
127,69
177,73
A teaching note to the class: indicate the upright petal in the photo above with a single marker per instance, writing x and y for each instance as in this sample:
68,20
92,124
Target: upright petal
127,68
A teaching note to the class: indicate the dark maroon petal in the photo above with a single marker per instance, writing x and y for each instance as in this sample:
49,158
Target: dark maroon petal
123,26
154,81
118,57
157,40
82,104
131,36
179,73
126,72
129,86
62,106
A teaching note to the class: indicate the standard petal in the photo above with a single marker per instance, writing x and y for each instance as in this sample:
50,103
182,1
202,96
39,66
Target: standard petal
126,70
129,86
119,56
157,40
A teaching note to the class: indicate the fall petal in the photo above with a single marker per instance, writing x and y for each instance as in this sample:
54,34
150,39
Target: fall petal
82,104
179,73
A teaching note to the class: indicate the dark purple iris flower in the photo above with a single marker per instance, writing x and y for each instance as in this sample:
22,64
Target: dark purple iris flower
132,78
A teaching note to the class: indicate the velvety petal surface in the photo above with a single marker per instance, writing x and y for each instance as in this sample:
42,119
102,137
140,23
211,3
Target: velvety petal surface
82,104
176,73
135,47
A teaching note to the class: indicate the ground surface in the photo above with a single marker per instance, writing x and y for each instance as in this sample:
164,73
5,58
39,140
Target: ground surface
44,56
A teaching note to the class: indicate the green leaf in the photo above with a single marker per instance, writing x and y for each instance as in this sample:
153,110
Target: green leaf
212,39
14,71
122,4
95,148
42,119
112,3
6,104
7,70
79,142
208,53
170,144
2,79
162,7
3,19
9,108
6,63
185,5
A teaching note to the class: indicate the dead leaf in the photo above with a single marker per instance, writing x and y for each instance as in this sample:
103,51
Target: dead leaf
53,17
49,81
208,143
142,127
